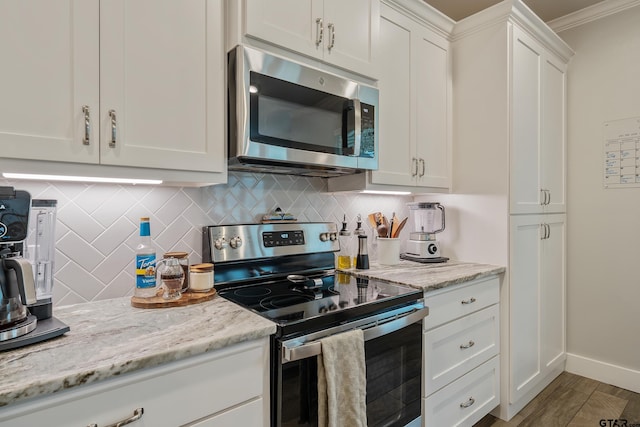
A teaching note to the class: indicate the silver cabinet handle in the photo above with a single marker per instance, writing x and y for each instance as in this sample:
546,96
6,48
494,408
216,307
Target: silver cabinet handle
137,414
415,167
332,30
546,196
471,344
112,115
422,167
87,125
546,231
468,403
468,301
319,31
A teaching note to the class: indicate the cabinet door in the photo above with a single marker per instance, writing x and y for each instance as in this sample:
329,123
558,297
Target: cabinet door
49,71
537,298
351,34
432,118
396,101
553,147
526,195
552,293
293,24
162,84
525,303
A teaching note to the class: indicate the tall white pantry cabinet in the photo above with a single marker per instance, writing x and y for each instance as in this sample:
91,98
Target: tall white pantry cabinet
510,156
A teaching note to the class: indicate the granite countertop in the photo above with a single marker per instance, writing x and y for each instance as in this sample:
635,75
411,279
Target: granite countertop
111,337
428,276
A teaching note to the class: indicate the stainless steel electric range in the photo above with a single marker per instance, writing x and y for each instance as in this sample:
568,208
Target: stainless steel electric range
286,273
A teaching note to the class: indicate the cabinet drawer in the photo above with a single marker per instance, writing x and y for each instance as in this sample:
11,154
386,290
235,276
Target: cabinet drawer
450,305
171,395
249,414
466,400
457,347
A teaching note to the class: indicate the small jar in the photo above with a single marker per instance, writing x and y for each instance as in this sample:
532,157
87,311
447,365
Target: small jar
183,260
201,277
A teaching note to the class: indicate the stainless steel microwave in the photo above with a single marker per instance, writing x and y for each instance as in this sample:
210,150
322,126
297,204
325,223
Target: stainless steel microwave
286,117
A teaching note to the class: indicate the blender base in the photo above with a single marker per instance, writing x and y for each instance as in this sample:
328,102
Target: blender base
410,257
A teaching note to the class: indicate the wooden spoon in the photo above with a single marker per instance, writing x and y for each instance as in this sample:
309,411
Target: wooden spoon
397,231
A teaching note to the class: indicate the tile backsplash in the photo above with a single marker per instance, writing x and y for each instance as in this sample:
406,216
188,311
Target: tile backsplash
97,224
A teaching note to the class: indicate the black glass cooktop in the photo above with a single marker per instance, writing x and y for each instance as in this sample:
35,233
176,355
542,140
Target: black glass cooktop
339,297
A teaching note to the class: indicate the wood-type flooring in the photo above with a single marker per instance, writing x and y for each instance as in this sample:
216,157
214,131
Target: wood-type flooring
575,401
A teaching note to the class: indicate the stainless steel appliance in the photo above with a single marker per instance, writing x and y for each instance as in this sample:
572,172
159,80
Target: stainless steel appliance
285,117
286,273
25,308
426,219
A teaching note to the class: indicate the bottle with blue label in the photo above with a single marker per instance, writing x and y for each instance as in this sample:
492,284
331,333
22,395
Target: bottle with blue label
145,262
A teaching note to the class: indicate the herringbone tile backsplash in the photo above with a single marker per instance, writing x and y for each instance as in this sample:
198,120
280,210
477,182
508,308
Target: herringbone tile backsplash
97,226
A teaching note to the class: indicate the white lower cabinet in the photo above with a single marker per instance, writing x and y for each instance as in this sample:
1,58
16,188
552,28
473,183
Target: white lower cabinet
223,388
461,348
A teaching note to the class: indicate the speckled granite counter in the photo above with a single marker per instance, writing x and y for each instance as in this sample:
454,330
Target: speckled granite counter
428,276
110,337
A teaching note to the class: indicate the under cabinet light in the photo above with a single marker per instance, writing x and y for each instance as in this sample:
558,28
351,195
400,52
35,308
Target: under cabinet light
81,178
390,193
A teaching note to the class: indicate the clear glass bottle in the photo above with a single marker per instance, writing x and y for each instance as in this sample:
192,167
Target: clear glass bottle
344,255
145,262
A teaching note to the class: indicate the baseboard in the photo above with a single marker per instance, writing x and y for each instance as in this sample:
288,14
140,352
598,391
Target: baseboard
607,373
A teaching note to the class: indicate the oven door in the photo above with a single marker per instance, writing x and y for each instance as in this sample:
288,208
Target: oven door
394,359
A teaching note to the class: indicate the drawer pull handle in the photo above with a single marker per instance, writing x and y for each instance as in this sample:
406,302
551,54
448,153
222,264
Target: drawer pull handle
137,414
468,301
468,403
471,344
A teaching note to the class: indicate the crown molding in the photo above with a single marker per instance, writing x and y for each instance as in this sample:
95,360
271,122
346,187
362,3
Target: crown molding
591,13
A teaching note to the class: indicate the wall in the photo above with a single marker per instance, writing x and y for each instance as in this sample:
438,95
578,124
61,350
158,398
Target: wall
97,226
603,268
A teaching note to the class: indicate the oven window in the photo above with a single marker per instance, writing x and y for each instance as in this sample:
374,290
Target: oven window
293,116
394,372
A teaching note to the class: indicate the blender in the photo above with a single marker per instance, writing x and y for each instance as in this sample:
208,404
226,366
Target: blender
426,219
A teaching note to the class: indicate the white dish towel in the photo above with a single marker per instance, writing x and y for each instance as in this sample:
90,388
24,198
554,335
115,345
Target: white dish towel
342,381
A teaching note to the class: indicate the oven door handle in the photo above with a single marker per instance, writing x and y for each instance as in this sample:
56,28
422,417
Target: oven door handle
293,352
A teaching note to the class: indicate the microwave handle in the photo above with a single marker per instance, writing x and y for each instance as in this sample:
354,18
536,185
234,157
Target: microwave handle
357,126
314,348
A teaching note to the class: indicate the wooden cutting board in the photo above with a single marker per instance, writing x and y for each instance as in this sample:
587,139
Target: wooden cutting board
187,298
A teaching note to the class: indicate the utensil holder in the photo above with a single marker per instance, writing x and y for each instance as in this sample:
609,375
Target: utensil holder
388,250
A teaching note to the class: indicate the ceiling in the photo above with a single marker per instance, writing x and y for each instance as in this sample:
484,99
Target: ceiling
547,10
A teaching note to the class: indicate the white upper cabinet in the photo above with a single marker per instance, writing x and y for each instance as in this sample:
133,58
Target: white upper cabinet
125,85
49,72
415,90
162,77
341,33
538,127
415,103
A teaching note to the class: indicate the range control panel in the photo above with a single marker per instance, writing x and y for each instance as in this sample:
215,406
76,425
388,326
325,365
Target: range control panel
283,238
254,241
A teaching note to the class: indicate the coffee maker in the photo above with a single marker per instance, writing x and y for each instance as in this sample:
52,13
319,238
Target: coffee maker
426,219
26,276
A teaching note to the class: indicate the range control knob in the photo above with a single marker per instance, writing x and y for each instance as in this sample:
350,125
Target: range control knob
333,236
221,243
324,237
235,242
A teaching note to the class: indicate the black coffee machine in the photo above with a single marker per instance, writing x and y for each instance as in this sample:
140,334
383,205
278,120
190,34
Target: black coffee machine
25,309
